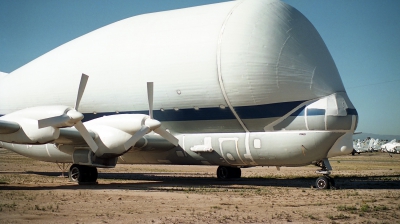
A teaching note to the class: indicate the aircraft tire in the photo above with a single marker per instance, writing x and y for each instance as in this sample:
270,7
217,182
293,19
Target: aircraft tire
75,173
91,174
235,172
82,174
322,183
226,172
223,172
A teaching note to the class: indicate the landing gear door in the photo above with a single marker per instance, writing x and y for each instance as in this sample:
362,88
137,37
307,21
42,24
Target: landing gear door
230,151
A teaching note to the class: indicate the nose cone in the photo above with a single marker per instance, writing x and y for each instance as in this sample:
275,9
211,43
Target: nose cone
274,55
75,115
152,124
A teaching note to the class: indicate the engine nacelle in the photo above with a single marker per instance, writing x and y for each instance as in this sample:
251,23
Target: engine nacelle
29,132
113,131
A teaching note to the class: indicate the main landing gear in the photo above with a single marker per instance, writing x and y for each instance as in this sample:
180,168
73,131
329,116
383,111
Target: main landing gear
324,182
227,172
83,174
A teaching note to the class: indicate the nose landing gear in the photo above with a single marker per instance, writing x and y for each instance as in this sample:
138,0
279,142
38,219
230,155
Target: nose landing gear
324,182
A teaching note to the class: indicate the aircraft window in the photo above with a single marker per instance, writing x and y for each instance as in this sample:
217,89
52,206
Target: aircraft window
257,143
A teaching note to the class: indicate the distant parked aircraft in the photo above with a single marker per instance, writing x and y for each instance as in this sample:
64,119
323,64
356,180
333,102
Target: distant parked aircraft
392,146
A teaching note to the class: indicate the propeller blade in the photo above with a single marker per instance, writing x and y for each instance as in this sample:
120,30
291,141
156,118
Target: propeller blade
53,121
154,124
82,85
168,136
150,89
86,135
64,120
136,137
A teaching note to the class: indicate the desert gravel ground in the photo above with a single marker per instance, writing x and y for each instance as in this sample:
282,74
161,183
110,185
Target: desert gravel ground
368,191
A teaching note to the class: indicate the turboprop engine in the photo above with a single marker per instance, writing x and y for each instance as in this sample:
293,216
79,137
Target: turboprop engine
38,125
116,134
109,136
30,125
112,136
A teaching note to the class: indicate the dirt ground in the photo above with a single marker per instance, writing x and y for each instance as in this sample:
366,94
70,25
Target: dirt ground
368,191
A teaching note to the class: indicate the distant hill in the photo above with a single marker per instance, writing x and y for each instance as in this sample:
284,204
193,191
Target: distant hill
375,136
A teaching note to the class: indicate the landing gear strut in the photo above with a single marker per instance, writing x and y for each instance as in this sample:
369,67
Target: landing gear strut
83,174
63,168
227,172
324,182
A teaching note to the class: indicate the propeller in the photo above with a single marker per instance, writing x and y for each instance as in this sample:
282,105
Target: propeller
150,124
65,120
150,89
72,118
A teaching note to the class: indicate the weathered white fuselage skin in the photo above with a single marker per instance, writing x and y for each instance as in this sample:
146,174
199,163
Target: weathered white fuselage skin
251,79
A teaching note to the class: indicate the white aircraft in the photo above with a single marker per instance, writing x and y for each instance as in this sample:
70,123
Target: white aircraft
375,145
236,84
366,145
360,146
392,146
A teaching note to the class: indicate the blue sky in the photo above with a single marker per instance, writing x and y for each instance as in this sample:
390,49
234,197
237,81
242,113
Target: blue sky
362,36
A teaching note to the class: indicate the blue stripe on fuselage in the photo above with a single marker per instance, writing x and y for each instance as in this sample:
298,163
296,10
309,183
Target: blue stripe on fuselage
215,113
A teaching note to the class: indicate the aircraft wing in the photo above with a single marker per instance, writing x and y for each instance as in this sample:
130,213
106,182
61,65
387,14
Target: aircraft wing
71,136
107,136
154,142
